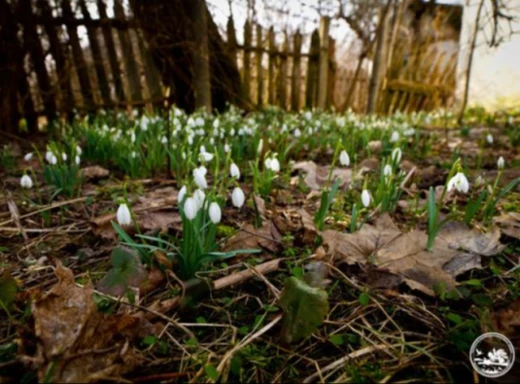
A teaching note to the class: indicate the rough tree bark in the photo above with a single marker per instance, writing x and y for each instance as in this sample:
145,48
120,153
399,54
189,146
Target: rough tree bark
172,39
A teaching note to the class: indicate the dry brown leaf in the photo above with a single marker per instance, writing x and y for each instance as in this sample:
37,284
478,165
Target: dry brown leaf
457,249
308,229
82,344
509,224
94,172
316,175
266,237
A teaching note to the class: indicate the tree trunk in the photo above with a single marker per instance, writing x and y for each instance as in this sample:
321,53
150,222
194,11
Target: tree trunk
473,44
172,40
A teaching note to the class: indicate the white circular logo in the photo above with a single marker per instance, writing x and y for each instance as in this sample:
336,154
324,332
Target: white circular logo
492,355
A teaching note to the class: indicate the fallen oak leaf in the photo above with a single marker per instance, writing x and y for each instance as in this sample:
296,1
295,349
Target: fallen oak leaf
249,237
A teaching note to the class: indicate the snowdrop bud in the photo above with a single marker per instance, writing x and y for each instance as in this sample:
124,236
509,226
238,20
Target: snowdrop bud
190,208
53,160
28,156
48,156
489,138
199,176
396,155
395,137
365,198
344,158
297,133
123,215
202,149
275,165
215,214
26,182
205,157
227,148
500,163
164,140
64,156
267,163
387,171
199,197
182,194
237,197
260,146
79,151
479,181
77,160
234,171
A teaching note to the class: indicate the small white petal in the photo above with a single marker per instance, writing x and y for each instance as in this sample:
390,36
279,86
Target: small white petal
275,165
344,158
199,176
365,198
395,137
387,171
123,215
199,197
182,194
260,146
234,171
26,182
190,208
77,160
28,156
489,138
237,197
215,213
500,163
396,155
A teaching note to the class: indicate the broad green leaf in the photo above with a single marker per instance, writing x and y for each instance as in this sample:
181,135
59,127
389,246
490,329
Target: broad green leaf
305,308
211,372
364,299
336,339
126,271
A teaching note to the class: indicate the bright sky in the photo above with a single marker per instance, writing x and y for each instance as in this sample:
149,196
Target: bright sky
496,72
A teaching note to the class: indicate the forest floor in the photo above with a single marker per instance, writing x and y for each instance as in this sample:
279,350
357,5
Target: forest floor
374,305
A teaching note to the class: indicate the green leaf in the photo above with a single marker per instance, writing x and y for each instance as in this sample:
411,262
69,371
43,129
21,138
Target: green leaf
126,271
305,308
453,317
8,289
474,282
211,372
473,206
482,300
364,299
336,339
149,340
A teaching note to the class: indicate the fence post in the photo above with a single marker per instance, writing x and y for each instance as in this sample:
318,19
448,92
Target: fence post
312,71
248,33
282,74
112,56
272,58
331,73
153,78
128,55
323,62
259,67
96,55
295,80
231,39
79,59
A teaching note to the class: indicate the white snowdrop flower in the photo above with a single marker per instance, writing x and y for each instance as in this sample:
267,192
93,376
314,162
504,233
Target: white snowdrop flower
500,163
489,138
212,140
200,121
64,156
216,123
205,157
199,197
459,182
132,137
387,171
510,120
234,171
479,181
215,213
202,149
267,163
395,137
183,155
79,151
190,139
428,120
237,197
365,198
182,194
241,132
77,160
275,165
199,176
397,154
284,128
227,148
297,133
123,215
48,156
133,154
53,160
28,156
164,140
190,208
260,146
232,132
344,158
308,115
26,182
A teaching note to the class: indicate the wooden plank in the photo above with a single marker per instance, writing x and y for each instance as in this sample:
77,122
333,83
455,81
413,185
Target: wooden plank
97,57
151,74
132,74
323,61
79,60
112,56
312,71
272,64
259,66
231,39
282,74
246,70
331,85
32,42
62,68
296,76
